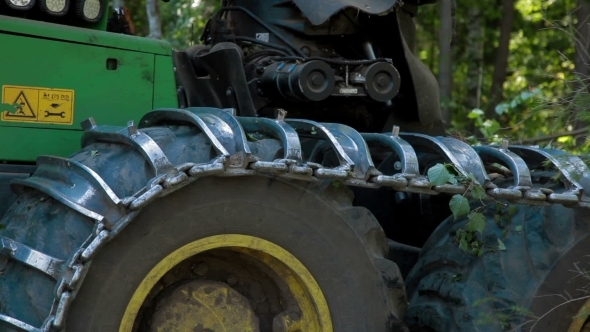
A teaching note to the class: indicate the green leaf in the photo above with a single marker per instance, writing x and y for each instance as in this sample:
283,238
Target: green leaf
453,180
2,226
491,126
477,192
474,114
512,210
505,233
477,222
497,218
518,228
459,205
253,137
438,175
452,169
463,245
501,245
501,108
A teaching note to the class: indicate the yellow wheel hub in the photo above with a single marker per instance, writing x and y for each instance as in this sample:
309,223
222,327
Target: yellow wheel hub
203,305
220,309
579,321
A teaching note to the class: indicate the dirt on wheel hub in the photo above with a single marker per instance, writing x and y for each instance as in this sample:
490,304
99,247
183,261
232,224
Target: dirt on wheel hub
231,289
203,305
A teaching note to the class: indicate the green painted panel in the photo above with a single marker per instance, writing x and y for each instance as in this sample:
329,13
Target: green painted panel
141,81
13,25
112,96
26,144
165,83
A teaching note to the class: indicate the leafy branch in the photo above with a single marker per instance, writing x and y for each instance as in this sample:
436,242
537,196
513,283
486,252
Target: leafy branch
466,236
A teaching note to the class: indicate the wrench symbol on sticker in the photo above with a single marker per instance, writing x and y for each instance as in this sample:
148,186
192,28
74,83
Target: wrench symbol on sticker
60,114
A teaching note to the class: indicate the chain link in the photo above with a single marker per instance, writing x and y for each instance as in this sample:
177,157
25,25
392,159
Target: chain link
188,172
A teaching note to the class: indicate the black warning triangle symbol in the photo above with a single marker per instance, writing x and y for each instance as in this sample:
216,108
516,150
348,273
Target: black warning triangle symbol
23,108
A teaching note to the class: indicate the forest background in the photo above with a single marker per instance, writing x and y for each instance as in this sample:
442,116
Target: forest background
512,69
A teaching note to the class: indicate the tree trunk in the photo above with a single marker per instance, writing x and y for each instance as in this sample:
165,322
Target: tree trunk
474,50
154,21
582,56
502,52
582,59
445,62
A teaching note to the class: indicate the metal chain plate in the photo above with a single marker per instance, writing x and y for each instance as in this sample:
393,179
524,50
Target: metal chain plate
227,134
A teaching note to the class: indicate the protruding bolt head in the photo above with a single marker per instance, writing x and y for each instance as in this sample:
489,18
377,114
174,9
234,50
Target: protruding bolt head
285,322
132,129
395,131
88,124
382,81
231,111
232,280
505,143
397,165
281,114
316,79
201,269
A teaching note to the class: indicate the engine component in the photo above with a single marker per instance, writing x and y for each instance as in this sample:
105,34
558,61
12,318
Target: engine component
382,81
289,59
309,81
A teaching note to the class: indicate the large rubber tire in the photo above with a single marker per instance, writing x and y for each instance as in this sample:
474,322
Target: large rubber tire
342,246
452,290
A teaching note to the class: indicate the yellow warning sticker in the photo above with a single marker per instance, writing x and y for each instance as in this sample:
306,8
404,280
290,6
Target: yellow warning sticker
40,105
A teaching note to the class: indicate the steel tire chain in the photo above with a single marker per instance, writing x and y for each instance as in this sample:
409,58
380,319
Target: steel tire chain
235,159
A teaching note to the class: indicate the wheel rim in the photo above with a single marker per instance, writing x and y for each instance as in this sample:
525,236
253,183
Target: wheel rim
308,309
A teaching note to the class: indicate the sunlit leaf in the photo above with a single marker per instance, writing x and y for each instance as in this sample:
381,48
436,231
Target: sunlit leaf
477,192
501,245
477,222
459,205
438,175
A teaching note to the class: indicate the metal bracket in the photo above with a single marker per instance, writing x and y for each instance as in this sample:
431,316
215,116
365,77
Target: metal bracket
75,185
572,167
229,132
167,115
407,155
15,323
518,167
51,266
130,136
350,148
279,130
